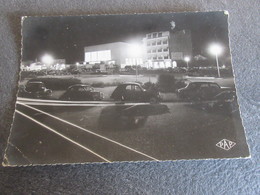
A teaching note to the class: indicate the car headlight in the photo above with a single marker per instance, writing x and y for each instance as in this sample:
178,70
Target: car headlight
102,95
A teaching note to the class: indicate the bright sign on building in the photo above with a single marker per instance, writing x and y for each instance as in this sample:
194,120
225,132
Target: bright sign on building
98,56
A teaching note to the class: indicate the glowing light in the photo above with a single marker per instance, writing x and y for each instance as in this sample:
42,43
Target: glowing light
47,59
135,50
186,59
215,49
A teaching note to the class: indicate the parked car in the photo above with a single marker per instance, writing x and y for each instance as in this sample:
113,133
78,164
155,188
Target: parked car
199,91
81,92
179,70
34,89
225,100
135,92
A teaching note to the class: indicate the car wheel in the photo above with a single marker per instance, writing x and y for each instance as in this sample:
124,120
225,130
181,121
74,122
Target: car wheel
205,107
122,98
49,93
233,107
153,100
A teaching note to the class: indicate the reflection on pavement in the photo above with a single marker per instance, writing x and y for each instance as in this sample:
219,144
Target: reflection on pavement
129,117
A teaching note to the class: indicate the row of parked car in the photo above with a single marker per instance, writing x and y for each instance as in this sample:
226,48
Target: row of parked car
81,92
209,94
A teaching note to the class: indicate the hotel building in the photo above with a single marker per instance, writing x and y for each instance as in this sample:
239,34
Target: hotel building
165,49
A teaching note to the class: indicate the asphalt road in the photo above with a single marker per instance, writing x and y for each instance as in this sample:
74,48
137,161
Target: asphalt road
106,133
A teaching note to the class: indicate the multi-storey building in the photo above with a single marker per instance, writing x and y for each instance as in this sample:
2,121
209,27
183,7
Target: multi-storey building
157,53
164,49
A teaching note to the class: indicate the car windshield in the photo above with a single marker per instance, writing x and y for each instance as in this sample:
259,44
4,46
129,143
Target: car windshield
213,85
204,85
137,88
133,88
192,86
84,89
34,86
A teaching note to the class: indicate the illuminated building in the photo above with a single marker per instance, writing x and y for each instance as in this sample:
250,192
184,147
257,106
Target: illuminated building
117,53
163,48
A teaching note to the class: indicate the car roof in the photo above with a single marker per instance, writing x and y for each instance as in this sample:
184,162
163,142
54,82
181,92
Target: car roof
79,85
130,83
202,82
29,82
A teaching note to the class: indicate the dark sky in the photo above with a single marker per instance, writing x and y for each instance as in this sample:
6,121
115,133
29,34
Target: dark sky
66,37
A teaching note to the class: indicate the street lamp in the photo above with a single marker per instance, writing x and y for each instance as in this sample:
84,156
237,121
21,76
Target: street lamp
135,50
47,59
216,49
187,59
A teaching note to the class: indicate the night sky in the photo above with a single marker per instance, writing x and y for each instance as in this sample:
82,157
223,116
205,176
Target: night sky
66,37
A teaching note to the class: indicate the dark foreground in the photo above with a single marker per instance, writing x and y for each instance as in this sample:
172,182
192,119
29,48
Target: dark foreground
106,133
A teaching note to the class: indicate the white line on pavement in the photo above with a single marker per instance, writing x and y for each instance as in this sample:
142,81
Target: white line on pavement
61,101
81,104
115,142
54,131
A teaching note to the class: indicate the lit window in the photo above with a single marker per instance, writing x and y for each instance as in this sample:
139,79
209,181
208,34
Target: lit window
98,56
137,88
128,88
104,55
87,57
139,61
94,56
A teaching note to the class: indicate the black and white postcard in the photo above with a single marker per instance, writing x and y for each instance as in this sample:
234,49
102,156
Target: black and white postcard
111,88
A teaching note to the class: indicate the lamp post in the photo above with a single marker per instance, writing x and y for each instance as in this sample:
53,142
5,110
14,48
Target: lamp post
187,59
136,71
135,51
215,49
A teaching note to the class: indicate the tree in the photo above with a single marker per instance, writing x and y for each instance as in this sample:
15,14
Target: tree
166,82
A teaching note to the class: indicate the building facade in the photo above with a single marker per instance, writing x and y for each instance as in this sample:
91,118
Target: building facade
157,53
158,50
57,64
166,49
117,53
